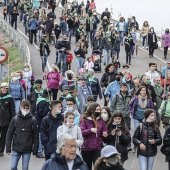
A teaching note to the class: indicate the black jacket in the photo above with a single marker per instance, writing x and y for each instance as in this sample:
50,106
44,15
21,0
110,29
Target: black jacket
80,52
51,15
44,47
49,126
96,44
103,166
143,134
128,43
70,23
23,135
104,82
58,162
150,38
63,44
7,109
120,143
57,30
14,14
107,14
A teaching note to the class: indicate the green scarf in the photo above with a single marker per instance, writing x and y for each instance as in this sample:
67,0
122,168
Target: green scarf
38,92
42,99
92,79
5,97
76,98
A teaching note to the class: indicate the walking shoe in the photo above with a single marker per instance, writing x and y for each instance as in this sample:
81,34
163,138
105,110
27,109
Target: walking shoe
165,56
143,47
40,156
1,154
147,48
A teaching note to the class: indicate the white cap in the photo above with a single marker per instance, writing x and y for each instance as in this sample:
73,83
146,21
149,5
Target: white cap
108,151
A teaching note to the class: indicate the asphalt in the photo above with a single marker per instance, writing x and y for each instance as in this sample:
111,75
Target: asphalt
139,64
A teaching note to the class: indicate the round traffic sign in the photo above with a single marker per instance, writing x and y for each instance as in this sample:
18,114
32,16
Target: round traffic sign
3,54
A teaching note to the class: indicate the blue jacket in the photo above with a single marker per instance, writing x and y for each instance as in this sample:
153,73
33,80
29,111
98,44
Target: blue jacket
33,24
164,70
49,127
124,26
17,91
113,88
63,26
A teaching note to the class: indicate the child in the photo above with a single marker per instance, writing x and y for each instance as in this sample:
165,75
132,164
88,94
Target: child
116,63
90,100
88,64
72,129
119,135
62,98
5,13
125,68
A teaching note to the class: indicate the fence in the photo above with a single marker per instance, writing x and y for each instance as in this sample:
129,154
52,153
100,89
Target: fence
16,39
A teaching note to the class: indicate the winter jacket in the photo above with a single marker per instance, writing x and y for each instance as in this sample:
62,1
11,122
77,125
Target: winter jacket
95,86
49,126
10,7
58,162
7,109
121,103
42,109
107,78
53,80
33,99
44,49
120,142
166,40
17,91
51,15
164,69
107,14
75,131
165,110
159,91
129,82
134,102
143,134
70,23
14,14
49,26
57,30
128,43
116,45
63,27
22,134
103,166
33,24
144,31
63,44
150,38
97,43
118,26
81,52
92,141
106,43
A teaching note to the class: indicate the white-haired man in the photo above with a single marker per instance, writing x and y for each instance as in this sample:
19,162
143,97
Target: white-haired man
66,157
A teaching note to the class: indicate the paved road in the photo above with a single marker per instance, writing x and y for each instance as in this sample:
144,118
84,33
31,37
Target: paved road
139,63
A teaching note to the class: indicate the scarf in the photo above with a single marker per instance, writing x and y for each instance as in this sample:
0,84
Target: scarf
142,104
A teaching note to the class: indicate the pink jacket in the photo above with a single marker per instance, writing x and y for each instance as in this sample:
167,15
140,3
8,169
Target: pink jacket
53,80
166,40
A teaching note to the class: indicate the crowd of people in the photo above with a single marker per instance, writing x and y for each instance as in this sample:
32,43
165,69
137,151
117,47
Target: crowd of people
72,130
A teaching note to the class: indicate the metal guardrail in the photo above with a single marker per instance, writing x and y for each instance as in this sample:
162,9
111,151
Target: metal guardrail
16,39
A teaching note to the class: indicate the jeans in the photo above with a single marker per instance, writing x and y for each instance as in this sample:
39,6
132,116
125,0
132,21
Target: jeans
9,17
128,56
143,42
80,63
21,16
44,62
146,163
116,52
63,57
133,49
107,55
121,36
40,148
165,51
17,105
14,21
70,32
39,35
15,156
136,123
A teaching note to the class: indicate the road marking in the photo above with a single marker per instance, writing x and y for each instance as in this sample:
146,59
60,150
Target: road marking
153,55
48,65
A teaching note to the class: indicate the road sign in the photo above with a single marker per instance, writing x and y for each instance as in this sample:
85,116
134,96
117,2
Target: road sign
3,72
3,54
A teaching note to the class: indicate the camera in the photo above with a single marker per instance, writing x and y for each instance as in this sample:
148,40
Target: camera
118,128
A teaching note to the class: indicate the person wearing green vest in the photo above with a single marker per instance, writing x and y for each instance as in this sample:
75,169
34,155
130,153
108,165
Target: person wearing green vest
37,92
7,112
42,109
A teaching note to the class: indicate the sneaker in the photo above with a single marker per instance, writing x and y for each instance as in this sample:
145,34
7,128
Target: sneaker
129,149
40,156
143,47
1,154
165,56
147,48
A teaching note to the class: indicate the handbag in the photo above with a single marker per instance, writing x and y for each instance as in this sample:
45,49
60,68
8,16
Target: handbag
156,46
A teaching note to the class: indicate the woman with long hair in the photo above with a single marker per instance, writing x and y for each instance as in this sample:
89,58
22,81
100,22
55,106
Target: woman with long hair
137,106
106,114
119,135
147,137
93,130
144,32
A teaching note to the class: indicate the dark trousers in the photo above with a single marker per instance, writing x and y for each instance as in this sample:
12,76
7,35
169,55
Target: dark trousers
54,91
165,51
47,157
33,33
3,132
151,49
90,157
128,56
14,21
128,122
105,102
5,17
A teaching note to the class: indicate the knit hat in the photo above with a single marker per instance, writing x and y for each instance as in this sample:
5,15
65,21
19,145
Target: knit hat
4,84
147,112
65,87
108,151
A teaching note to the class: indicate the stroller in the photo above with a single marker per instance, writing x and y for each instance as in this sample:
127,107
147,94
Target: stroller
96,58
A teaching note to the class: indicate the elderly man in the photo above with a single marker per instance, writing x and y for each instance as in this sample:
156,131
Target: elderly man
66,157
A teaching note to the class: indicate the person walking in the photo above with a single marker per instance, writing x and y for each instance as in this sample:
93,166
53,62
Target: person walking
14,15
152,41
144,32
22,135
93,130
147,137
166,41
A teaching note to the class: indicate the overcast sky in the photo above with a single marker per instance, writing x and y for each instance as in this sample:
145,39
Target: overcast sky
157,12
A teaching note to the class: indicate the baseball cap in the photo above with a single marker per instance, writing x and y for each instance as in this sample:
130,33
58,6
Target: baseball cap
109,150
4,84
